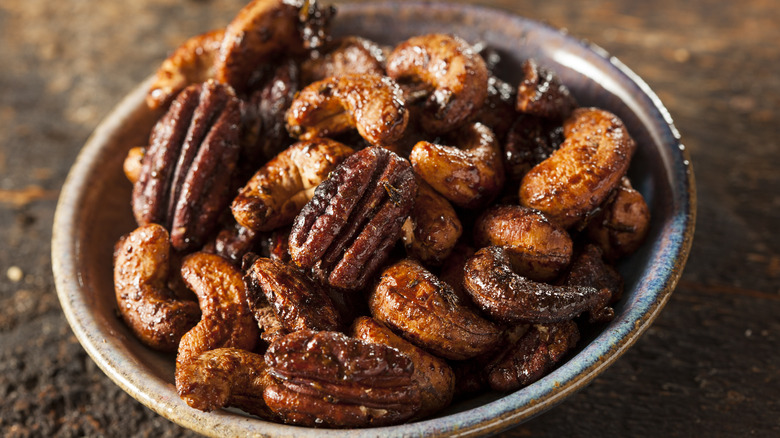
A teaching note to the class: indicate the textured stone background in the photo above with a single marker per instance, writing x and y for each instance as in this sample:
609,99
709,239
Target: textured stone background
708,365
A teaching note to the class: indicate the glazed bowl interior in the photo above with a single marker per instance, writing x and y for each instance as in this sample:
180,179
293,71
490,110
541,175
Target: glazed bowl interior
94,211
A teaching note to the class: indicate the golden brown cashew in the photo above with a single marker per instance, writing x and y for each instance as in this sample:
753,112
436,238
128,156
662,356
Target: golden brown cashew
133,163
621,226
148,307
470,174
538,248
454,74
191,63
580,175
347,55
432,229
278,191
371,103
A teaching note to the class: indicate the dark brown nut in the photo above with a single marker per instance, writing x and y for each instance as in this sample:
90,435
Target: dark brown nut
146,304
454,75
278,191
372,104
533,356
530,141
432,229
226,320
233,243
542,94
588,269
431,374
470,174
260,32
186,172
498,111
537,248
347,55
279,245
425,311
452,269
191,63
510,298
621,226
299,304
355,217
225,377
331,380
133,163
579,176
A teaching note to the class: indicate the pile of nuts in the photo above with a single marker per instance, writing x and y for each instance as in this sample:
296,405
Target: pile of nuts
369,232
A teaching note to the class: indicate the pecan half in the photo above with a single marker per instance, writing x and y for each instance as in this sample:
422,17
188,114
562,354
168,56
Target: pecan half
355,217
329,379
185,174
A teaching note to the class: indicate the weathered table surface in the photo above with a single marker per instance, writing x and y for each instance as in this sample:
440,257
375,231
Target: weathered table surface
708,365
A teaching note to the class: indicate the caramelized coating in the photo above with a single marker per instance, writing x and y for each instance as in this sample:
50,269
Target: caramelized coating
470,174
621,226
454,75
133,163
191,63
452,269
498,111
508,297
261,31
355,217
533,356
530,141
234,242
298,303
331,380
542,94
186,172
373,104
148,307
278,191
432,229
431,374
537,248
580,175
347,55
226,320
225,377
425,310
588,269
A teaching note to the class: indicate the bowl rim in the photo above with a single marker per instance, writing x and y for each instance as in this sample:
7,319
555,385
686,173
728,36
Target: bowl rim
492,417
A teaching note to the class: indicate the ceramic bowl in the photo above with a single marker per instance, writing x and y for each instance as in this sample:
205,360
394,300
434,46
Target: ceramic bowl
94,210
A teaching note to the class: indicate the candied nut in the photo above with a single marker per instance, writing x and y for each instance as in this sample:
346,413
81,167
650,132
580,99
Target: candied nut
299,304
347,55
146,304
452,268
470,174
329,379
579,176
532,356
186,172
432,229
510,298
426,311
373,104
233,243
226,320
278,191
537,248
133,163
621,226
588,269
225,377
498,111
355,217
530,141
431,374
541,93
191,63
453,74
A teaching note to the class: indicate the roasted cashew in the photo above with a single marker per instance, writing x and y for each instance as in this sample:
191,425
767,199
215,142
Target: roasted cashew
470,174
454,75
278,191
542,94
621,226
146,304
537,248
432,229
371,103
133,163
347,55
579,176
510,298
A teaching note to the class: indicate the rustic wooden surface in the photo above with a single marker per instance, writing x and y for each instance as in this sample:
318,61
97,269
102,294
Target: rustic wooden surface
707,367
